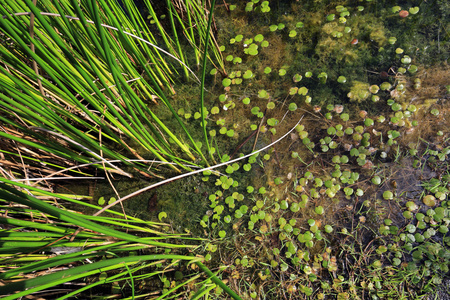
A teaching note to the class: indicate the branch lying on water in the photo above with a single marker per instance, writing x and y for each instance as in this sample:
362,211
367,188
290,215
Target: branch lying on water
194,172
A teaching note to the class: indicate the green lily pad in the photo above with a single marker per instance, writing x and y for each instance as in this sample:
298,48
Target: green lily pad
429,200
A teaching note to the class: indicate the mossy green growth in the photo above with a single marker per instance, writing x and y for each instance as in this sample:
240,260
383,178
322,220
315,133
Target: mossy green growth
359,91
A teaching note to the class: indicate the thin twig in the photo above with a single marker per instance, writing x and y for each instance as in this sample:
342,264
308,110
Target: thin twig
83,147
257,134
243,143
193,172
55,178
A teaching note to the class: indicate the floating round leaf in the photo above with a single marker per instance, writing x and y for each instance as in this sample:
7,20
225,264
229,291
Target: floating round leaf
248,74
429,200
406,60
368,122
243,209
162,215
376,180
434,112
263,94
319,210
322,77
226,82
288,228
272,121
413,69
249,6
403,13
396,9
407,214
340,8
293,90
302,91
331,131
297,77
414,10
265,6
392,40
342,79
253,51
292,106
385,86
214,110
443,229
374,89
259,38
388,195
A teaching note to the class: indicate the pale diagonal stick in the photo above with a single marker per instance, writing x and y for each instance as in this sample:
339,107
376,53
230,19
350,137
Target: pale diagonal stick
193,172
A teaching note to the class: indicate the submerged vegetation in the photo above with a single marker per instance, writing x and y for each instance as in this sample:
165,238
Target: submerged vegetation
312,141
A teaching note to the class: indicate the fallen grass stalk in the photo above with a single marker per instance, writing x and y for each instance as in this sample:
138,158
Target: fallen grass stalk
47,281
58,178
92,71
86,249
194,172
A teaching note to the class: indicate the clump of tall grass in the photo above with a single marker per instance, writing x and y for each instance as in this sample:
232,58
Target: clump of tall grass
45,246
80,78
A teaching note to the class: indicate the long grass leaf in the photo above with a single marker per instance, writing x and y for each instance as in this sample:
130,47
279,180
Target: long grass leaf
42,282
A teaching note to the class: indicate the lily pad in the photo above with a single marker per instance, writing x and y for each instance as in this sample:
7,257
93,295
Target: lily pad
429,200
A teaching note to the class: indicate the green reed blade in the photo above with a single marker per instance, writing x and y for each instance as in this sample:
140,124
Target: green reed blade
46,281
13,195
202,86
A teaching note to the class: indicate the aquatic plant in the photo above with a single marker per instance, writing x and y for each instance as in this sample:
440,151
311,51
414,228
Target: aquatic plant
340,206
73,238
89,70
